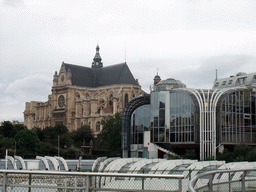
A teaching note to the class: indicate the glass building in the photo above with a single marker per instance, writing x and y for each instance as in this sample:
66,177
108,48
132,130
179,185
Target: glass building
173,118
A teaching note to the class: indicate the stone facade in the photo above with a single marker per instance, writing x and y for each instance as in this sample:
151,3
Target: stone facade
84,96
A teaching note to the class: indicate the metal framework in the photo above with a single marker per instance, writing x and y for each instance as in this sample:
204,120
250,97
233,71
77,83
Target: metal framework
208,103
231,180
126,122
207,100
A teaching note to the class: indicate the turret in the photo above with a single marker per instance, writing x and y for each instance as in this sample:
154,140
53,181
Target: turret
55,79
97,59
157,79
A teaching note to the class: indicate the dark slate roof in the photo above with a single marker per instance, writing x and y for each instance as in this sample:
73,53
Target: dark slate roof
81,76
110,75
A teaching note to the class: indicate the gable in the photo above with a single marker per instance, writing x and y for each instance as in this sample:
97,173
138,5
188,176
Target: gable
81,76
115,74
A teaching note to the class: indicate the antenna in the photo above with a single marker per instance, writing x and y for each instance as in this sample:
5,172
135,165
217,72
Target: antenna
125,53
216,74
157,70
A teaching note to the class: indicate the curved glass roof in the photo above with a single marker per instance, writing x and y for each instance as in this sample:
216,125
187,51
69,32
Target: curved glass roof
188,168
169,84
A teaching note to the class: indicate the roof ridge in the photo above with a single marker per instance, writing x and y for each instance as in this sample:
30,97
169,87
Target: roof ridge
76,65
114,65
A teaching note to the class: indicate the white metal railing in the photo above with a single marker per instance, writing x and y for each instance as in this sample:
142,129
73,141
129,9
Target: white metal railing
19,180
224,180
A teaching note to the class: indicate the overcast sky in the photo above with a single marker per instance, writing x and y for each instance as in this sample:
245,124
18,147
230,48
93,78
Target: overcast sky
184,39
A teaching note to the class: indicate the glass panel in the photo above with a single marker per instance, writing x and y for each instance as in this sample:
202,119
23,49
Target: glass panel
236,117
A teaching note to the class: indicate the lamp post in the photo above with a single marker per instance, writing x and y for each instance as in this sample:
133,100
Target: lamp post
58,145
6,153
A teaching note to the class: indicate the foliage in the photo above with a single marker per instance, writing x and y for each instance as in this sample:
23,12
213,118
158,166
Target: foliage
175,157
190,154
66,141
241,153
110,136
209,158
251,156
6,143
51,133
10,130
6,129
71,152
82,136
226,155
241,150
40,133
26,141
44,149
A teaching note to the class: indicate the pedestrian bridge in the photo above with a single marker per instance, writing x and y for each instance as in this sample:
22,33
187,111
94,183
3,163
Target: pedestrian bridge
126,174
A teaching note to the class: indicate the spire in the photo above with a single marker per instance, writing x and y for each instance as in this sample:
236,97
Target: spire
97,59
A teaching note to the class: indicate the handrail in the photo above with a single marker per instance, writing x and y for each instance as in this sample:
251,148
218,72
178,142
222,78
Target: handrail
193,181
86,181
90,174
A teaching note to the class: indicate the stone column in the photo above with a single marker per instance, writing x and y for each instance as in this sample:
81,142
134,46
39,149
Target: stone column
36,114
115,105
86,107
94,108
45,112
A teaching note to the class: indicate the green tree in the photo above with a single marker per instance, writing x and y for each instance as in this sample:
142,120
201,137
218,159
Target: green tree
40,133
66,140
50,134
6,143
26,142
17,128
111,135
10,130
6,129
226,155
190,154
82,136
251,156
60,129
46,149
241,151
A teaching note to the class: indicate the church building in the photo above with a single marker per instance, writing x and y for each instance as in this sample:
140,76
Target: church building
84,96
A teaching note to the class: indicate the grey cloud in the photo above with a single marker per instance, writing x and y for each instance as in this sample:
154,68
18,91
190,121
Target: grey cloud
8,101
203,76
2,86
13,3
12,113
31,86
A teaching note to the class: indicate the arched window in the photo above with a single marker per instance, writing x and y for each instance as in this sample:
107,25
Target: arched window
102,104
98,126
110,100
125,99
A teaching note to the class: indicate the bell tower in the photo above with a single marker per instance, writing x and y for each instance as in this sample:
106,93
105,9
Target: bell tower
97,59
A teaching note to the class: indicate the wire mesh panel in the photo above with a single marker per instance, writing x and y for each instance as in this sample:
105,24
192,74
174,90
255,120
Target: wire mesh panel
138,184
45,181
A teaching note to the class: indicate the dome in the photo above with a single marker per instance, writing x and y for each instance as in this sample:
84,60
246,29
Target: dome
157,77
169,84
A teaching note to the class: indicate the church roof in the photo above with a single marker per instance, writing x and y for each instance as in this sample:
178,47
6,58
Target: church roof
96,77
